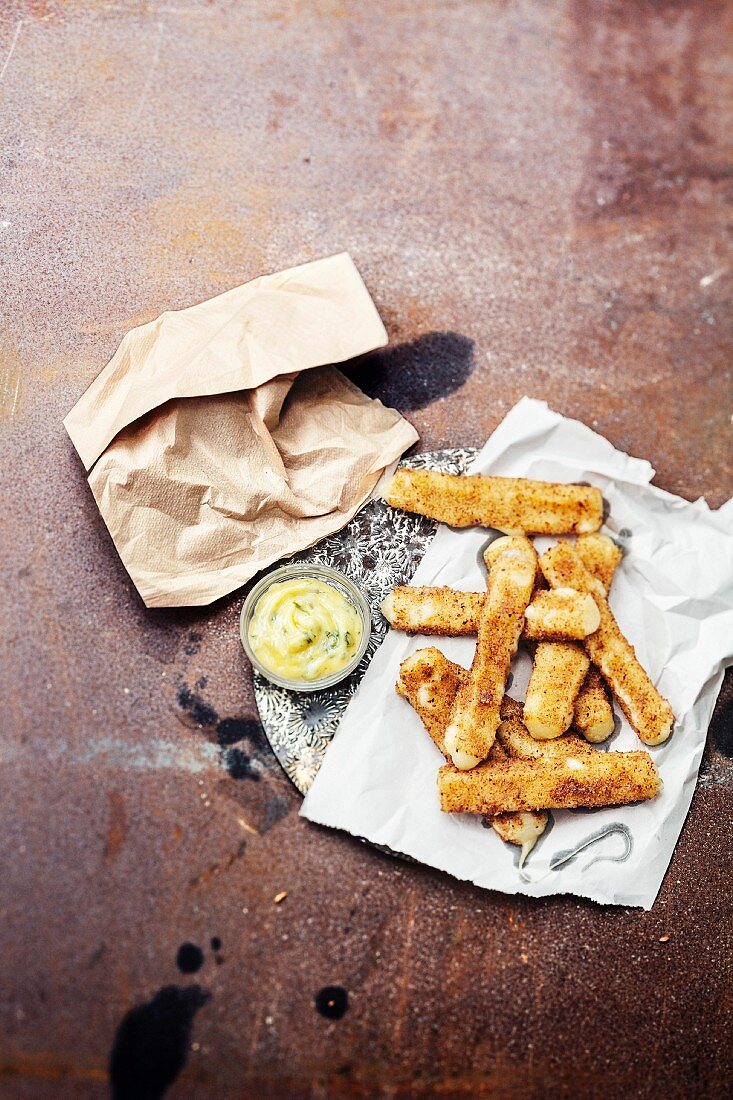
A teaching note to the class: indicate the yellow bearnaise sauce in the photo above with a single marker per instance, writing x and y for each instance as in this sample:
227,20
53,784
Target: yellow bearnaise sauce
304,629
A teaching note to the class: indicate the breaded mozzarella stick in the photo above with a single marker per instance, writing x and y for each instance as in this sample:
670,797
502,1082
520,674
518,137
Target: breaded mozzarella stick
600,556
593,715
560,615
562,782
523,828
434,610
555,693
517,741
509,504
512,565
647,711
429,681
552,615
558,673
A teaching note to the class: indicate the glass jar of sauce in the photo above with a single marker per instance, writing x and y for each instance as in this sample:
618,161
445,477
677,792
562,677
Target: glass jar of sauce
305,627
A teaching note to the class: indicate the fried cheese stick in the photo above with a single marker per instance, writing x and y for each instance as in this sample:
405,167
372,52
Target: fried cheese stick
429,681
512,565
557,686
558,672
523,828
517,741
600,556
509,504
433,610
554,614
593,714
647,711
560,615
560,782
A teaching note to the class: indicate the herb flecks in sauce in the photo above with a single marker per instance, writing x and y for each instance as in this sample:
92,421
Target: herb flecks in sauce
304,629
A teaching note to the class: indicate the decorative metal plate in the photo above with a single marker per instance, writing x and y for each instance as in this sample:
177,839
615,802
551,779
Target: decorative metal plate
380,548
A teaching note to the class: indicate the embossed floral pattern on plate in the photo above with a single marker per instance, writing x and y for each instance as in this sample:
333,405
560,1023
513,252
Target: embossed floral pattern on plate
380,548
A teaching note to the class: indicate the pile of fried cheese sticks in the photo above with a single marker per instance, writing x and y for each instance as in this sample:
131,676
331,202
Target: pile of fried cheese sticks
515,761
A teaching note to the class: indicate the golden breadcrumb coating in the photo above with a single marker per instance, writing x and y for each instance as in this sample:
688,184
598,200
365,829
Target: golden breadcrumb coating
433,610
647,711
600,556
512,566
560,615
429,681
558,673
512,505
516,740
560,782
523,828
593,717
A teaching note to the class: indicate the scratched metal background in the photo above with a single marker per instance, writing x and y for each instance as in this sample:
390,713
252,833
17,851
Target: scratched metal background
537,197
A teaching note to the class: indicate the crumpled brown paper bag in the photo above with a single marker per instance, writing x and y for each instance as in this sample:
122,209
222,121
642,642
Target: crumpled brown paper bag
215,449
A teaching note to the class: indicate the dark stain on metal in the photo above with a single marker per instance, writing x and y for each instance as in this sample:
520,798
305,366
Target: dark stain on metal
240,739
151,1044
415,374
332,1001
189,958
231,730
238,764
202,713
194,641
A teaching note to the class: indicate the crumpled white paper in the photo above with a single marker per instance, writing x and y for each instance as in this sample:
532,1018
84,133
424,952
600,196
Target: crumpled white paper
673,597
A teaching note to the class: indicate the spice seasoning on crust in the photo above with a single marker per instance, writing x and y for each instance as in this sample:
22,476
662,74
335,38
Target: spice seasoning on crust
508,504
596,779
512,566
647,711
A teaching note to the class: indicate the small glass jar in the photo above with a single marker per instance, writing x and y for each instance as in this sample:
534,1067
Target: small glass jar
342,585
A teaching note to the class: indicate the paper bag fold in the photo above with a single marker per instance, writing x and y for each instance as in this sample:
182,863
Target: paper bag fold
217,448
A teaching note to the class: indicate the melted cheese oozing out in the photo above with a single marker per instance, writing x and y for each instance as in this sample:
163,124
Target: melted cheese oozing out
304,629
462,760
528,834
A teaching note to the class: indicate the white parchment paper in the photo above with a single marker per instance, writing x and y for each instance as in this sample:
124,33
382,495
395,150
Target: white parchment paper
672,596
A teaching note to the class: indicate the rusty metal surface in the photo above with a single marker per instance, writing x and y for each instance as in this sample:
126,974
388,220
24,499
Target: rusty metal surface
536,196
